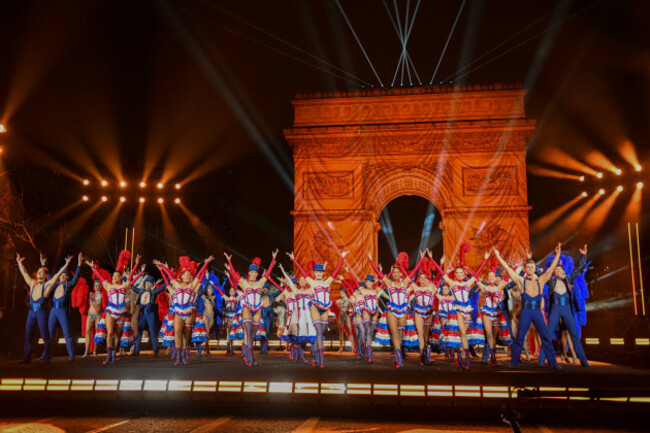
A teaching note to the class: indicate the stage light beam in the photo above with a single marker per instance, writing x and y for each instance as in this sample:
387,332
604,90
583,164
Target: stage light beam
601,191
141,200
638,168
618,171
160,200
122,199
582,178
104,198
177,201
619,188
143,184
2,128
599,175
104,183
639,185
84,198
160,185
86,182
584,193
123,184
177,186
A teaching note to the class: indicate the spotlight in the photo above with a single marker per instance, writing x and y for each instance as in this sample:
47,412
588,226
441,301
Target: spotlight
142,184
84,198
160,200
104,198
638,168
122,199
141,200
639,185
104,183
160,185
584,193
582,178
177,186
123,184
601,192
599,175
2,128
177,201
618,171
619,188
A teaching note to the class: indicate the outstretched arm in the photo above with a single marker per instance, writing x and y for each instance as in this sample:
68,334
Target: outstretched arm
581,265
77,273
235,275
480,268
132,273
416,268
266,275
375,268
23,271
549,272
55,278
302,271
165,272
516,278
204,269
338,267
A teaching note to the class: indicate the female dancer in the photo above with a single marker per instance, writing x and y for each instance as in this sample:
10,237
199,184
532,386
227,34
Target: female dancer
343,322
357,301
290,332
183,301
460,289
251,302
320,303
117,306
424,293
96,305
230,306
398,284
492,315
445,309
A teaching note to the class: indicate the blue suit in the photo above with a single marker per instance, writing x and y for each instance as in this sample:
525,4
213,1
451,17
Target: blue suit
147,317
60,312
562,307
37,316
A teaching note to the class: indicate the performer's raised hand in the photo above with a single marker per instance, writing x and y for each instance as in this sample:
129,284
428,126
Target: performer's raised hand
291,256
228,256
19,258
558,248
68,260
274,254
487,254
344,253
80,258
209,259
43,259
583,251
90,263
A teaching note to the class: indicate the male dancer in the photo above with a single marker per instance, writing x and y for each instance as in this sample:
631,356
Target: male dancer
561,297
60,305
146,300
37,315
530,287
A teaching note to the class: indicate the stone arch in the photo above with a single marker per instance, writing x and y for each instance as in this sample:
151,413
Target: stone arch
463,149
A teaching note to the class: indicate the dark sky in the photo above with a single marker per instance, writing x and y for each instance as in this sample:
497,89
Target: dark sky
200,91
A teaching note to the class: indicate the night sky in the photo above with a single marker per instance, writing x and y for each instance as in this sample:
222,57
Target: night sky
199,92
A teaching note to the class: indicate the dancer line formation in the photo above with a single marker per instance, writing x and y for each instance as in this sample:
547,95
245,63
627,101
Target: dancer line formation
433,307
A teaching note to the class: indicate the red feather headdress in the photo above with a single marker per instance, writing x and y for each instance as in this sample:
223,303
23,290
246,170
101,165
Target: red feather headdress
464,249
123,260
402,261
187,264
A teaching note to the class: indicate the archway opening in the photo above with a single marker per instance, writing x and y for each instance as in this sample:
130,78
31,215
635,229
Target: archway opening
409,223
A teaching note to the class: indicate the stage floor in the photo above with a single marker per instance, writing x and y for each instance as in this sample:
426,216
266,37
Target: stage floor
340,367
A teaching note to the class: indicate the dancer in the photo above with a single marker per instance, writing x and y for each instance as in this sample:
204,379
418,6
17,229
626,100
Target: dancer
369,292
37,289
290,332
530,287
97,302
210,299
320,303
493,316
183,301
424,293
230,306
343,322
116,308
60,304
561,294
251,301
148,310
267,315
460,289
445,310
398,284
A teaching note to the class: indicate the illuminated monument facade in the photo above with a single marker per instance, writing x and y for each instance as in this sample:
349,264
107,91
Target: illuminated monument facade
463,149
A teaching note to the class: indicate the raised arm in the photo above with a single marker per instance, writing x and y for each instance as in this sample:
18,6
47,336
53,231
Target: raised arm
204,269
56,276
270,269
338,267
23,271
549,272
481,266
516,278
375,268
287,279
302,271
129,280
235,275
165,272
581,265
217,287
77,273
416,268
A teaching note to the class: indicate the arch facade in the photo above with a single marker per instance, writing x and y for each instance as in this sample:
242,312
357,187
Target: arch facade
463,149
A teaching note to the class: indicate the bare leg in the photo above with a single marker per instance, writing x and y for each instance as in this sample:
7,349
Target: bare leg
89,323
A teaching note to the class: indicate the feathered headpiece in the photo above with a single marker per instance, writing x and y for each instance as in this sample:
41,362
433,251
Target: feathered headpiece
494,265
402,260
187,264
255,266
427,266
311,265
123,260
79,295
104,273
565,261
464,249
